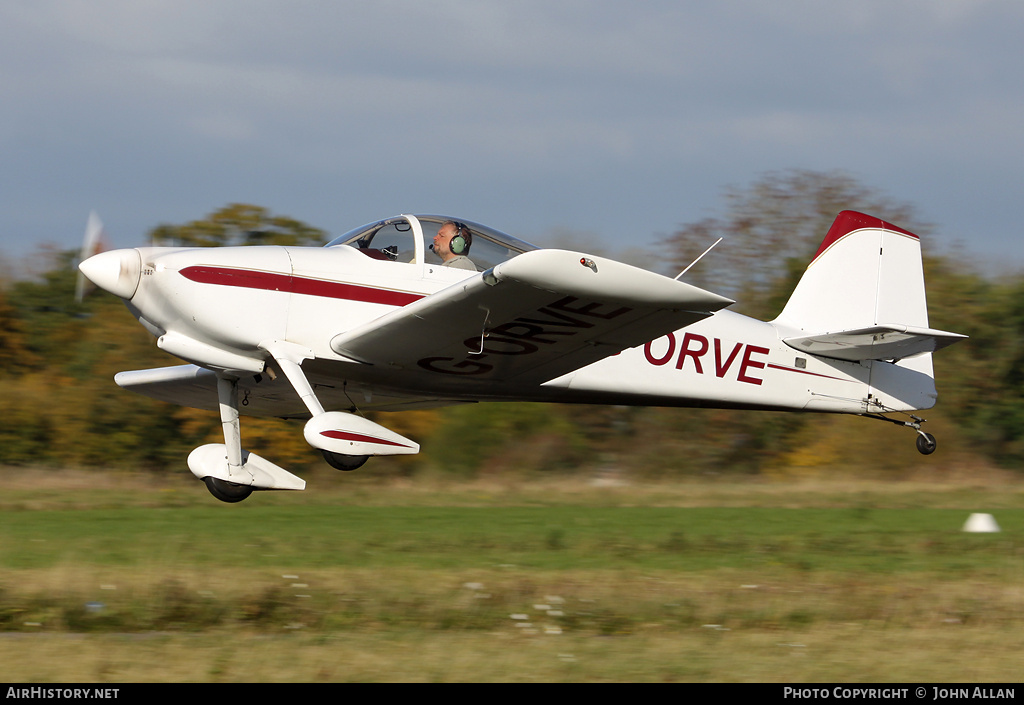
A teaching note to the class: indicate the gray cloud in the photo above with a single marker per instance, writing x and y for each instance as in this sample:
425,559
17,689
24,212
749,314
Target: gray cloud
618,119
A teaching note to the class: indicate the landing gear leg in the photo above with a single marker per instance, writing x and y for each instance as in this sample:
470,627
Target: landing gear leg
345,440
225,491
227,395
925,441
230,473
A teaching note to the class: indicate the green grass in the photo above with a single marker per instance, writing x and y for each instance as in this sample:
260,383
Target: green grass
363,580
548,538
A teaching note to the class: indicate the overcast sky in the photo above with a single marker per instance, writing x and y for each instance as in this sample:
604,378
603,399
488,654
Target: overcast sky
612,119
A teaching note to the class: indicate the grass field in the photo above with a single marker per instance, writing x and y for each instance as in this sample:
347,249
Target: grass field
136,578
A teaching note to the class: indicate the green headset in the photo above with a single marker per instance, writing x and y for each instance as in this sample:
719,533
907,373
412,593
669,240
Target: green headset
459,244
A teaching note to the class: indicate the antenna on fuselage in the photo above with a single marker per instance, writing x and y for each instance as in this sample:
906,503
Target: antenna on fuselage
698,258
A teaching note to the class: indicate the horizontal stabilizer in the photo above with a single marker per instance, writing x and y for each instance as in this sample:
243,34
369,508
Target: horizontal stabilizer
881,342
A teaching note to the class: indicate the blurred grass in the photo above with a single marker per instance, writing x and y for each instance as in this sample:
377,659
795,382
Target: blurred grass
548,538
147,578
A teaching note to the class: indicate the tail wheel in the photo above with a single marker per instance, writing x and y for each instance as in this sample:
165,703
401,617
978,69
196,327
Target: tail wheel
340,461
227,491
925,443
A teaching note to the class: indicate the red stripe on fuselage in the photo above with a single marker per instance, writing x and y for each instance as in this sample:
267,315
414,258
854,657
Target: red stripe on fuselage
272,281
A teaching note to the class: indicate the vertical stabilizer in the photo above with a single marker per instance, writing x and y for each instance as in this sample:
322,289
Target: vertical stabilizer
866,273
862,299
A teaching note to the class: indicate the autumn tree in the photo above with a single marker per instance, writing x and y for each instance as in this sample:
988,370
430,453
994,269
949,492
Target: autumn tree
15,357
981,380
238,224
771,230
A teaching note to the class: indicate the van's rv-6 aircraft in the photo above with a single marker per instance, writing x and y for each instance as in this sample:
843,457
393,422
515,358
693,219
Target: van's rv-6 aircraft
374,321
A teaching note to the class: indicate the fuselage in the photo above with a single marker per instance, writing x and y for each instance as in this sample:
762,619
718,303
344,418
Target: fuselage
219,306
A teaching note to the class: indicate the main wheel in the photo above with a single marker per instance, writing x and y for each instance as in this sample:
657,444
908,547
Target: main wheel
925,443
345,463
227,491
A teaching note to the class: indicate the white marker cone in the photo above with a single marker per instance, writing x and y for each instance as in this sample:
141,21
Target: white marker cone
981,523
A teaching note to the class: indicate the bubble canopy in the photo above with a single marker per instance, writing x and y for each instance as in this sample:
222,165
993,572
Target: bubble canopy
404,238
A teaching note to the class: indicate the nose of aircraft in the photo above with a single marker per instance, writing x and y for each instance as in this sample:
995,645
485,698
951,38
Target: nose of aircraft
117,271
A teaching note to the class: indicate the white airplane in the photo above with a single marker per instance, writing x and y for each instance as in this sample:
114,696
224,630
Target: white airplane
377,320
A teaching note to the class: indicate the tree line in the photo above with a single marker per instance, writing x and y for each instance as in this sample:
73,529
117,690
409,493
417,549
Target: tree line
60,406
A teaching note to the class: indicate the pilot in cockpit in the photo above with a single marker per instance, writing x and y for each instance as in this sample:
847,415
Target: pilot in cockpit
452,244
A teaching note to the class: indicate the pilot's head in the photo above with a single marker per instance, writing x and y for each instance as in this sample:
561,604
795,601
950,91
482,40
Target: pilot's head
453,239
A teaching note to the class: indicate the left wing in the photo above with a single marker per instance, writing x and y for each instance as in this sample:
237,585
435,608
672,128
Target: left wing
261,395
530,319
